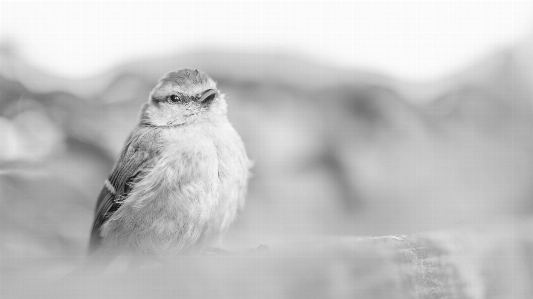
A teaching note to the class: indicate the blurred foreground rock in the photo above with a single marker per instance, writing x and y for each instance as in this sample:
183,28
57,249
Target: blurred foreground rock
495,262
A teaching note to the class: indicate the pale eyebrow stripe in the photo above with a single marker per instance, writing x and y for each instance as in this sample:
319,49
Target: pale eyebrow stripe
110,187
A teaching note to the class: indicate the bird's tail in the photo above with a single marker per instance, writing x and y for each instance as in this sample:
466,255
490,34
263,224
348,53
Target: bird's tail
95,242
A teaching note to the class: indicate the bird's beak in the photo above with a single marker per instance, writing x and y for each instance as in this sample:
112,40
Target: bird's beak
208,96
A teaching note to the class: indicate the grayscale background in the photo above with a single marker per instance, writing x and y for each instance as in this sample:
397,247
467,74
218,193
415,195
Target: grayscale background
363,118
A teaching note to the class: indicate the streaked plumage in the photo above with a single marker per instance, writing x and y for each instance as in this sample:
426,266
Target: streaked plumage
181,177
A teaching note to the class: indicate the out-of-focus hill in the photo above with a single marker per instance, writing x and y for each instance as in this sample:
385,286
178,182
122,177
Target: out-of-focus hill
335,151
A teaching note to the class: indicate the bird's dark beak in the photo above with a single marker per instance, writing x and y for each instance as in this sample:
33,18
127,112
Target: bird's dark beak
208,96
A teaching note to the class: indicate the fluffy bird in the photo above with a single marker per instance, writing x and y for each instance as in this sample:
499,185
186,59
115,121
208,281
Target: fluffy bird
181,177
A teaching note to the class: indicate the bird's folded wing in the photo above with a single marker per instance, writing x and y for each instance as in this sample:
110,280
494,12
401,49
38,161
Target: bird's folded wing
137,157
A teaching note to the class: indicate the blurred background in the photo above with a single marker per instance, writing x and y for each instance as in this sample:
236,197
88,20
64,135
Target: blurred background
363,118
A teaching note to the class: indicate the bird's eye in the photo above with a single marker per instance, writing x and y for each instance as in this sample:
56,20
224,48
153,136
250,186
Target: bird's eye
173,98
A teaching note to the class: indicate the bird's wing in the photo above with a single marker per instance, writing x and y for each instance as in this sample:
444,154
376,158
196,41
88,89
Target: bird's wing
137,158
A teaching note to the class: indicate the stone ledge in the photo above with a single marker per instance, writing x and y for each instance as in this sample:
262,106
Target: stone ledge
495,262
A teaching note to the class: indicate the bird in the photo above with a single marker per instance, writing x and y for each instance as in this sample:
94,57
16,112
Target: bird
181,177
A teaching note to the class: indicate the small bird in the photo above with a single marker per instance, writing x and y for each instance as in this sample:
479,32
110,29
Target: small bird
181,177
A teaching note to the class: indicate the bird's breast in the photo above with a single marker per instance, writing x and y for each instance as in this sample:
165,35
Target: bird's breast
215,156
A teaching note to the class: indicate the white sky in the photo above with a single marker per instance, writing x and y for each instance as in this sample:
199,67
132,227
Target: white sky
410,40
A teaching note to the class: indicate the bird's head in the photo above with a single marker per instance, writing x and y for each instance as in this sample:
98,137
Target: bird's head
183,97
